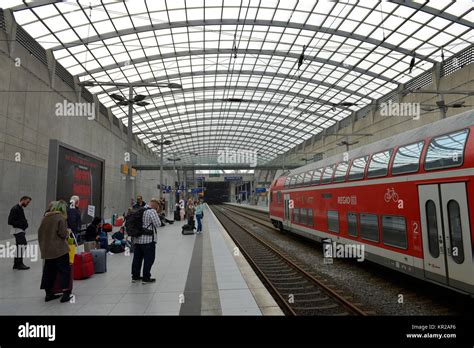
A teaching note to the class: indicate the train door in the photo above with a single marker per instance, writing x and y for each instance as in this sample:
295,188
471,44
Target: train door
446,235
286,215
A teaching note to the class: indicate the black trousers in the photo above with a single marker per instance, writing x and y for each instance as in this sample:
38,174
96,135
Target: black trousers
20,240
50,271
143,253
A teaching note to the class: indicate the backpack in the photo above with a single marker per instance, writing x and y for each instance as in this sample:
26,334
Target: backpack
134,222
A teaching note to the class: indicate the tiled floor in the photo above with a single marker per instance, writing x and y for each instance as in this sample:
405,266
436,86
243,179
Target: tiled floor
223,287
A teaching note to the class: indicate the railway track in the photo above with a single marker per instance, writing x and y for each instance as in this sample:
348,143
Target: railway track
296,291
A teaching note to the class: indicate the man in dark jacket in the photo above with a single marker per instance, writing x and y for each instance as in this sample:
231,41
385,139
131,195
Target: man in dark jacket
19,224
74,216
140,203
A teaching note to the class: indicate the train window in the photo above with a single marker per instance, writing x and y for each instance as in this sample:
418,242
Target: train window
310,217
296,215
369,227
455,231
352,224
333,221
287,181
432,222
358,168
307,177
315,180
341,171
279,197
379,164
327,176
446,151
407,158
394,231
303,217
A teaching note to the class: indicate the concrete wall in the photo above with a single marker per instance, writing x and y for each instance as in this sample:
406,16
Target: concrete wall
28,122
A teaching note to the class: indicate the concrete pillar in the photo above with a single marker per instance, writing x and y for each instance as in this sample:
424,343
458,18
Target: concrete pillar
51,67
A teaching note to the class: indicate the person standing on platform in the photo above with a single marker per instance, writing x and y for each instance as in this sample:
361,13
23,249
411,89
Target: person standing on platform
182,211
74,221
19,224
190,212
52,240
145,245
140,203
199,216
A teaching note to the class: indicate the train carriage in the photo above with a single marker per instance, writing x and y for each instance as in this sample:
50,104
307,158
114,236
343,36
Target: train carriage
406,199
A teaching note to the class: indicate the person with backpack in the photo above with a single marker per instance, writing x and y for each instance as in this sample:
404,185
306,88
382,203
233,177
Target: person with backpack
141,225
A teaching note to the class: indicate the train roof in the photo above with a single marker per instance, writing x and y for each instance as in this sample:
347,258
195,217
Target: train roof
439,127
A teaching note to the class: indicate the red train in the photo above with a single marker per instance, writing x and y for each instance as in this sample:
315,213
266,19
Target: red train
406,199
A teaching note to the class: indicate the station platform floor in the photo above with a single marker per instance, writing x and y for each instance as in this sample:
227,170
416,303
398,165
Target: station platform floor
196,275
251,207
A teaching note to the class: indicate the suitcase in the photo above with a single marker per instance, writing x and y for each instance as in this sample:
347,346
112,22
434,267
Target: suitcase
83,265
99,257
177,217
57,289
187,229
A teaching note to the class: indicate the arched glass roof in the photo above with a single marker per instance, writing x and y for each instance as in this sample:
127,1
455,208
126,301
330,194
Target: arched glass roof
246,82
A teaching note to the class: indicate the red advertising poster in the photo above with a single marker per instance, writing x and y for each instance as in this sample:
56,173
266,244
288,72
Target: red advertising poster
80,175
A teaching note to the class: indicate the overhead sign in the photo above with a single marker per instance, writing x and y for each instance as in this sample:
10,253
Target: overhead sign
232,178
260,190
197,190
200,178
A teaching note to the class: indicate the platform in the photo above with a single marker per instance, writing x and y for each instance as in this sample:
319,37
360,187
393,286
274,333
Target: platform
196,275
251,207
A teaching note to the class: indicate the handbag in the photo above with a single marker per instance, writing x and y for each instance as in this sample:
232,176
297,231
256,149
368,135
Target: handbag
72,247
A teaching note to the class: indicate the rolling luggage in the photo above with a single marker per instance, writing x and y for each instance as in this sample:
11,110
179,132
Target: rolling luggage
83,265
57,283
177,217
99,257
187,229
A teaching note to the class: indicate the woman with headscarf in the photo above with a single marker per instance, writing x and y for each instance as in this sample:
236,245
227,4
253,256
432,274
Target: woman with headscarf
52,240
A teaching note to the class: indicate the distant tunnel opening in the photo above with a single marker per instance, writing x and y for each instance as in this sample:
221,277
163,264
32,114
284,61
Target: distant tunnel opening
217,192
